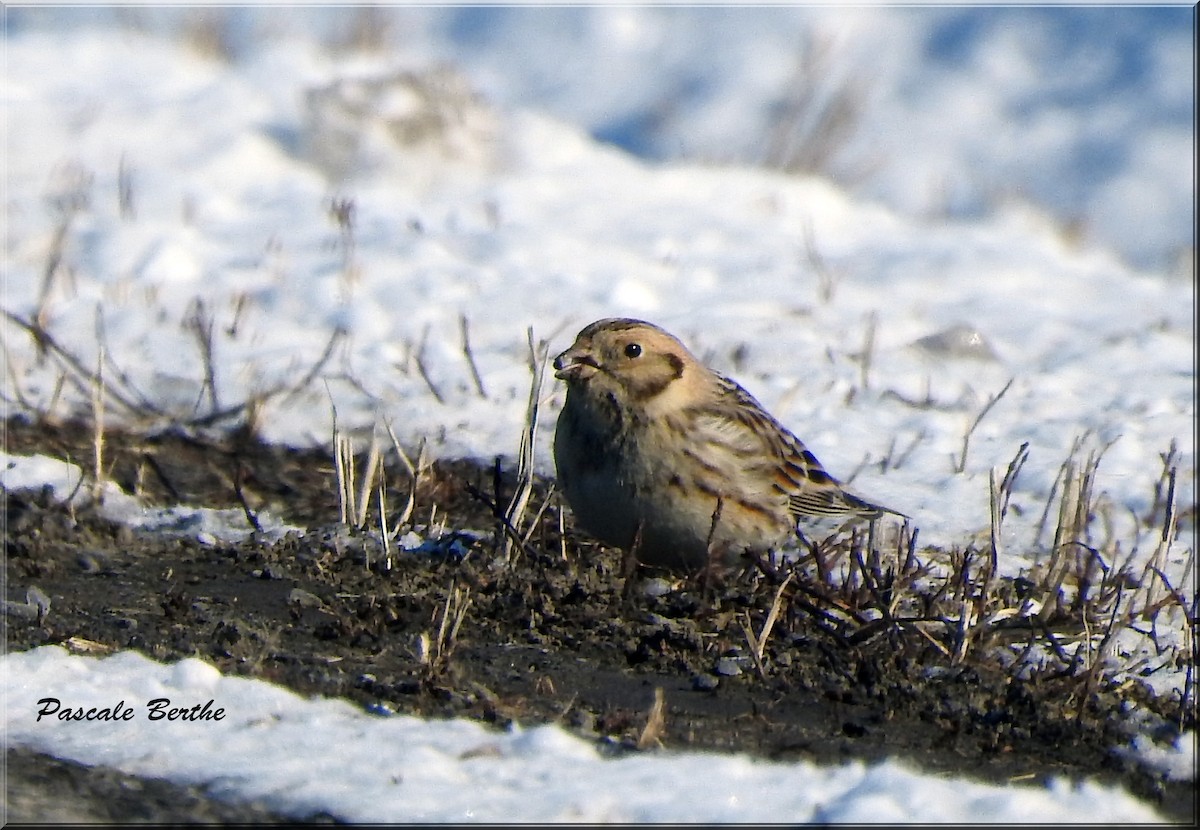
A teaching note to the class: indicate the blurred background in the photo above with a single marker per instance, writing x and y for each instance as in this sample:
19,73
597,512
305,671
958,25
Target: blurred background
1083,113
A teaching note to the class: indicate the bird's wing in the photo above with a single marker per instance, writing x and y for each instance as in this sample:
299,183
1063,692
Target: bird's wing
797,473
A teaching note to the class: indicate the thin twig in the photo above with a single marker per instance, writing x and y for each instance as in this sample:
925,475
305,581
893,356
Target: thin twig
200,323
826,279
515,513
962,463
868,351
98,427
82,377
368,481
384,533
238,475
466,345
423,370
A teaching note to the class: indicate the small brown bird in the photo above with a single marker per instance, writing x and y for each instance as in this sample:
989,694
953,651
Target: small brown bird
661,456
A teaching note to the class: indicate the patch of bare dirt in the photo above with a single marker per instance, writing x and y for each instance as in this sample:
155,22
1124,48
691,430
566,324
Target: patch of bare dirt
542,638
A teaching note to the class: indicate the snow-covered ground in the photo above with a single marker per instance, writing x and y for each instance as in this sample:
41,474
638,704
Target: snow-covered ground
181,189
301,756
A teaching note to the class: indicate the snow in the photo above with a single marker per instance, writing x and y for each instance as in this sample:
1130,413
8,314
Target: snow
24,473
299,756
65,480
1176,760
1010,207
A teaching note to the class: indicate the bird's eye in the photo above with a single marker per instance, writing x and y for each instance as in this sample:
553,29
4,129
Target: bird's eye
633,350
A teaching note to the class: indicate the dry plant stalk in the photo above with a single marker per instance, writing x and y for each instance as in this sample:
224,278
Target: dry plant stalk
125,200
293,389
1151,577
200,323
1064,471
551,492
384,533
82,378
1170,460
476,378
1056,570
120,389
962,461
373,468
423,370
1076,604
907,452
342,212
434,653
821,110
758,642
562,533
827,279
239,492
1071,537
343,462
996,514
98,427
14,376
354,495
343,465
241,307
868,351
515,514
69,194
656,722
1010,476
415,472
966,618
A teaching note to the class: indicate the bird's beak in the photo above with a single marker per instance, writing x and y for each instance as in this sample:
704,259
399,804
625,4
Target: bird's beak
575,364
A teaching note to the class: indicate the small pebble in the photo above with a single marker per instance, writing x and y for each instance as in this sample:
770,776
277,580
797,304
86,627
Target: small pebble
304,599
36,597
957,341
656,587
583,720
728,667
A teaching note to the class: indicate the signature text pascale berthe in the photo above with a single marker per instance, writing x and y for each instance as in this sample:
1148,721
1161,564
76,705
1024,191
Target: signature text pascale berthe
160,708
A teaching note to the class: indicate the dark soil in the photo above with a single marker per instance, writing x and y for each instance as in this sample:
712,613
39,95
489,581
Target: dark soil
543,639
